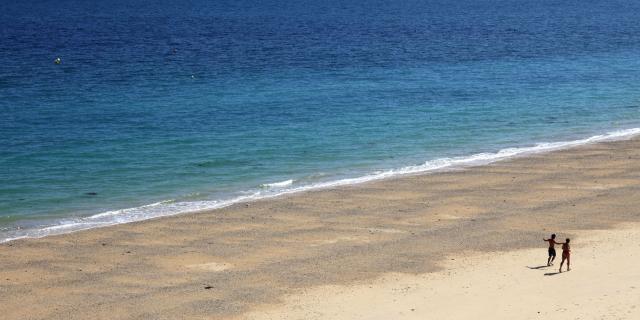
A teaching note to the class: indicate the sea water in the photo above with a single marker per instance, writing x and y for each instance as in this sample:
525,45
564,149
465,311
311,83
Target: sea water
165,107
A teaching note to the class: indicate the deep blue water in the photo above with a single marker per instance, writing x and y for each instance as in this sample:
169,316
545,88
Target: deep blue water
190,103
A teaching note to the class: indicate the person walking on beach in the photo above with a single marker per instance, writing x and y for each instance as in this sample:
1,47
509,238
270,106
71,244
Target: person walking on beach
552,249
566,254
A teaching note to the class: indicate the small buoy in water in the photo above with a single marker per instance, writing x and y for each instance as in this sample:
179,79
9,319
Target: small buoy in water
57,60
193,76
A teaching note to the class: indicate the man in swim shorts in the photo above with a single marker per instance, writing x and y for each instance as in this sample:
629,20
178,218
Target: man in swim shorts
552,249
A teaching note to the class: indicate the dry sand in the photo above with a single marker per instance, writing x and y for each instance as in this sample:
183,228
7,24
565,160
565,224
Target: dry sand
226,263
604,283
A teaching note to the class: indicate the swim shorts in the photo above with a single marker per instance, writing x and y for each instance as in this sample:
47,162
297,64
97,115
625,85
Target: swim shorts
552,252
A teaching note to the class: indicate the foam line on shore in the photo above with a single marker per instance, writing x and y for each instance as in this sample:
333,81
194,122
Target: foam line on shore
172,207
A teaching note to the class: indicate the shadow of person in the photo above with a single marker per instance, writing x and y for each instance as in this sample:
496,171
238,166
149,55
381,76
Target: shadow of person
538,267
551,273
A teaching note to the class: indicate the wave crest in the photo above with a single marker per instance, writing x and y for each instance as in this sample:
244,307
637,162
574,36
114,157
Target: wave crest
280,184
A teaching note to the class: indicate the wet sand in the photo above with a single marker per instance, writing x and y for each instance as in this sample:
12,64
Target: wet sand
226,263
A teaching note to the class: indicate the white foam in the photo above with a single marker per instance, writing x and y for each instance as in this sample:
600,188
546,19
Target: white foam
171,207
280,184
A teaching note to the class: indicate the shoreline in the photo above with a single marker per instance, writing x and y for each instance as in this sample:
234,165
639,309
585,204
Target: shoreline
138,214
231,261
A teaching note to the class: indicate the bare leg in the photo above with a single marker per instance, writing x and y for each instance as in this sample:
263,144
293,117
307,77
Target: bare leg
561,262
549,261
568,263
552,258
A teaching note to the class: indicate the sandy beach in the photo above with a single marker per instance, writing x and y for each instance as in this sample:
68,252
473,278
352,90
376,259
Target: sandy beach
450,245
604,284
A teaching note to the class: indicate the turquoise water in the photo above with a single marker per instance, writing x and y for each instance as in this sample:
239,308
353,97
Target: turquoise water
161,108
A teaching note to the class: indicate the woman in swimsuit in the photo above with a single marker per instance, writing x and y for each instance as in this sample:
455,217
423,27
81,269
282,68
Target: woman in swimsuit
566,254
